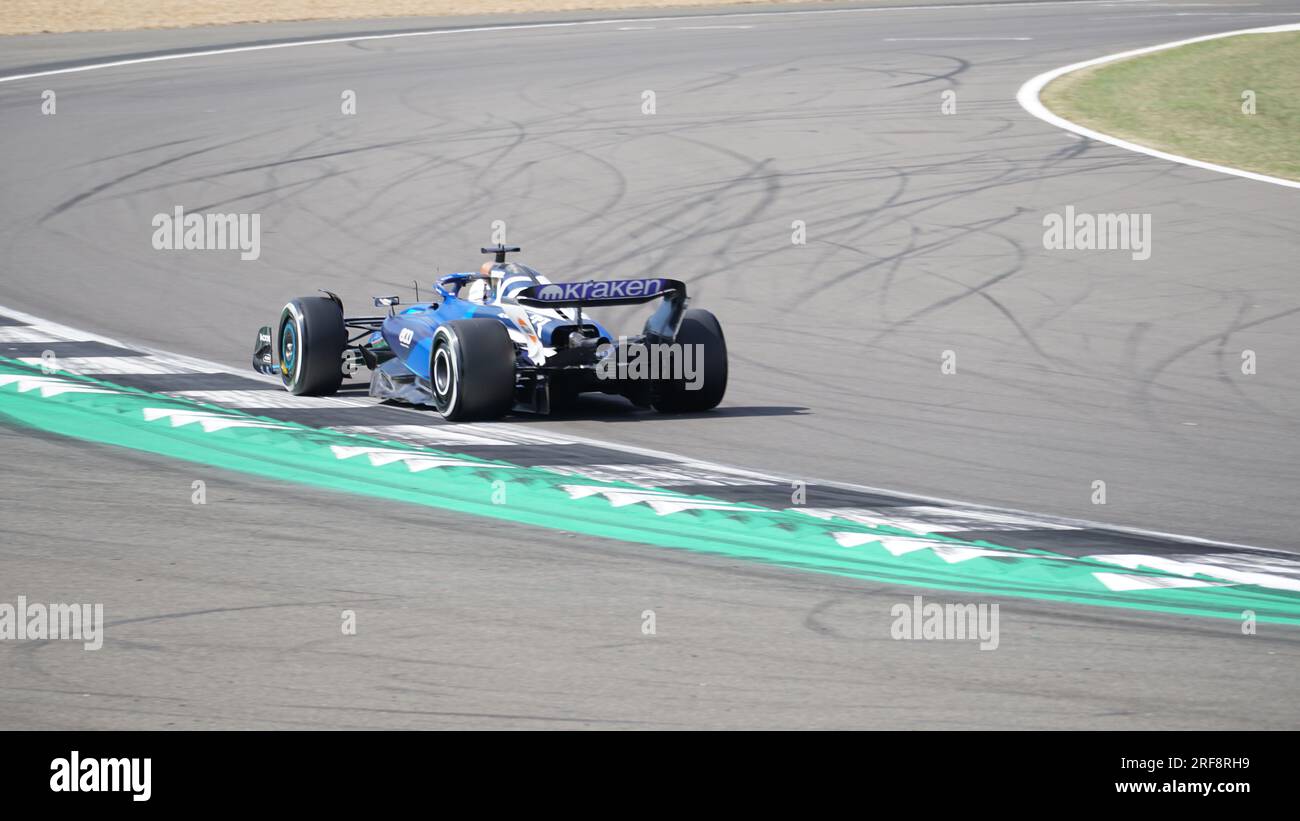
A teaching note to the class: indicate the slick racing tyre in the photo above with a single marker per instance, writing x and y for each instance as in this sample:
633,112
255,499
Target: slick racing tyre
472,370
310,344
699,327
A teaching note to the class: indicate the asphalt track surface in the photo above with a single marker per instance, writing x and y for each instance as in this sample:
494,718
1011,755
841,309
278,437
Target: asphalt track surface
924,235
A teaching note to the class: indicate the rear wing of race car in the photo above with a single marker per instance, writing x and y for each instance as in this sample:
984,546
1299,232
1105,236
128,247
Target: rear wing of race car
661,326
602,292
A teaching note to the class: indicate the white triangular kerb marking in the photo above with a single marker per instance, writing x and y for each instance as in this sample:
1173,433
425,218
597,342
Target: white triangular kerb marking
209,421
1182,567
414,460
662,502
949,552
51,386
1124,582
927,519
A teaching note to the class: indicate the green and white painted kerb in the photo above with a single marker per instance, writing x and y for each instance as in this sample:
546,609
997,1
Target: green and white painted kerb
98,411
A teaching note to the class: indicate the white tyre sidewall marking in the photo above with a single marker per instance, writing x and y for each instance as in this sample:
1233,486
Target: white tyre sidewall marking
452,348
441,372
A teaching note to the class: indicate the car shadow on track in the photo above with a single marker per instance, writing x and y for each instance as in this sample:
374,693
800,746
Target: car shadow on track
601,408
598,408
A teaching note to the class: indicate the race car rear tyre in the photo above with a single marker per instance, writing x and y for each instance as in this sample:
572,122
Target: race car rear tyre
310,343
699,327
472,370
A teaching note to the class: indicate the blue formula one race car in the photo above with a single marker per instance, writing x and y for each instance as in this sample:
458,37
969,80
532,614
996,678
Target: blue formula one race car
504,338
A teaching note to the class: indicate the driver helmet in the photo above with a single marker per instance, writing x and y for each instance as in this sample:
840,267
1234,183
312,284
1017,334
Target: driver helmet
489,270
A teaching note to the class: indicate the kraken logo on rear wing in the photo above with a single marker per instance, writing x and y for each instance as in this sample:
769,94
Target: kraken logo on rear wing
661,325
602,292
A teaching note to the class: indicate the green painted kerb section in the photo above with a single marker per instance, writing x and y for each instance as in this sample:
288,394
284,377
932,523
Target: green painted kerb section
101,412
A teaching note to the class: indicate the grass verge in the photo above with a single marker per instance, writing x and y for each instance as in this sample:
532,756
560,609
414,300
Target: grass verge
1196,101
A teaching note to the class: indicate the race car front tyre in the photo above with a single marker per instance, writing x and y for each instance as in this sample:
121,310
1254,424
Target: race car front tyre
698,328
311,342
472,370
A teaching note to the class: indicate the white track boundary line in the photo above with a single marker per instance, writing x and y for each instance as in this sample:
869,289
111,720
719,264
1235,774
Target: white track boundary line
1028,98
566,24
1070,523
76,335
